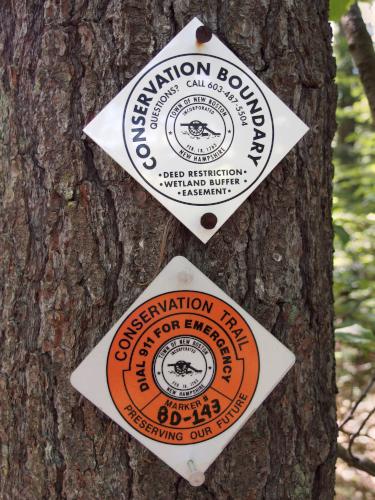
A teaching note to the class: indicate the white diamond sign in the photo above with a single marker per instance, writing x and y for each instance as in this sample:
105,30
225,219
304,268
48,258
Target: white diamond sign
183,369
198,130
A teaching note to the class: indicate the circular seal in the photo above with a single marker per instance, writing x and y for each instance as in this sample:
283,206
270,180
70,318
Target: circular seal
198,129
182,367
199,132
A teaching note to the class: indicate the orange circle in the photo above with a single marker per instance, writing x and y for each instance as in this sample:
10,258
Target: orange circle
182,367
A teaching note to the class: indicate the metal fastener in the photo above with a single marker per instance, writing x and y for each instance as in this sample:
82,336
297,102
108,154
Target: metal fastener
203,34
196,477
208,220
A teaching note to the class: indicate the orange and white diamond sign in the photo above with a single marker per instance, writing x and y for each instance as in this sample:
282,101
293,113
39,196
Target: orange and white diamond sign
183,369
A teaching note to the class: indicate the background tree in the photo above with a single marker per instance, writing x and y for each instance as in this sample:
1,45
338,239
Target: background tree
362,51
80,240
354,268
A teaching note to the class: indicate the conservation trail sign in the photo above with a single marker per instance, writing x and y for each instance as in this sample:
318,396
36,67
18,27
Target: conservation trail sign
184,366
197,129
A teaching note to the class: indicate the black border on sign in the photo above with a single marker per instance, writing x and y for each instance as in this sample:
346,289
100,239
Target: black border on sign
151,185
155,297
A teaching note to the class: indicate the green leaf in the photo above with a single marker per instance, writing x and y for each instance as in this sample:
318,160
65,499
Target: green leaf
355,329
343,235
337,8
356,335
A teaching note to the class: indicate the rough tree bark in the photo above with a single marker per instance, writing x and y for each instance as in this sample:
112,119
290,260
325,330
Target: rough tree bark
362,50
80,239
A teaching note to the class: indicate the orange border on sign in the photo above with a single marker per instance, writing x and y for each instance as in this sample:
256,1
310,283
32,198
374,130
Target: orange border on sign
194,317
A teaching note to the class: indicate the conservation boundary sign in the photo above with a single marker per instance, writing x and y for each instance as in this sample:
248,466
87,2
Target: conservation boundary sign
197,128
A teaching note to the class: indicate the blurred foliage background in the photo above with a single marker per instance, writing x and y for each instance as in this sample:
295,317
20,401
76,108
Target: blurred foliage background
354,207
354,265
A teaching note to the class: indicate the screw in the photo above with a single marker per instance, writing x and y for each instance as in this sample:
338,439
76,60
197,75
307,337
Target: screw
203,34
196,477
208,220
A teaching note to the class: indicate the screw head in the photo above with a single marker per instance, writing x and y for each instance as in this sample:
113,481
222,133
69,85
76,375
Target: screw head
203,34
208,220
196,478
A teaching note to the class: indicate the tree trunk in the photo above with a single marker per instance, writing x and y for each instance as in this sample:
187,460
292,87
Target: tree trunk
362,50
80,240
